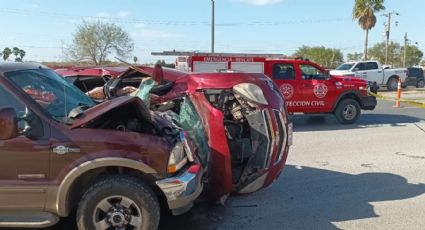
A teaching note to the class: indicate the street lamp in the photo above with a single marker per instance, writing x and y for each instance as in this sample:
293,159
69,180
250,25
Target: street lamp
212,26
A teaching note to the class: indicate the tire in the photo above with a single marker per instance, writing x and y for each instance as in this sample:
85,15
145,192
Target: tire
347,111
118,202
392,84
420,84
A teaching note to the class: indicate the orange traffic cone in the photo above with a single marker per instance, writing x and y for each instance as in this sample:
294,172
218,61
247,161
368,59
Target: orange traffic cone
397,103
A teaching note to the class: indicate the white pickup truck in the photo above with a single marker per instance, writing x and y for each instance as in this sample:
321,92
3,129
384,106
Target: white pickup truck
372,71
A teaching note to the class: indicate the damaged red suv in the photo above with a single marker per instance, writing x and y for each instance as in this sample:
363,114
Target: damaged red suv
237,121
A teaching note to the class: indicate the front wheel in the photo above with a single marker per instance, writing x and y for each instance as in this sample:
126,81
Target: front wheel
118,202
347,111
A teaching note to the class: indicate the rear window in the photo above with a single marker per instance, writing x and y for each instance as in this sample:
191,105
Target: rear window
415,72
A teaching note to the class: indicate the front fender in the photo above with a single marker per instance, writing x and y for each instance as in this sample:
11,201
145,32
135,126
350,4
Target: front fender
356,93
58,196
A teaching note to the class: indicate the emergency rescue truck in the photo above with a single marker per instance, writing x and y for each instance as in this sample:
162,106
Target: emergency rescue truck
306,86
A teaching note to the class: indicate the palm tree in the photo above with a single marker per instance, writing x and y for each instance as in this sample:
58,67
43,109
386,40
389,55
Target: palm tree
364,11
6,53
15,51
22,54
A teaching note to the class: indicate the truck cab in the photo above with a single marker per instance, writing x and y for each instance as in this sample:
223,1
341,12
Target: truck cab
372,71
308,88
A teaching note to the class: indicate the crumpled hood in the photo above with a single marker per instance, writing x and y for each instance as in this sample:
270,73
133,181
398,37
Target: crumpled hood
98,110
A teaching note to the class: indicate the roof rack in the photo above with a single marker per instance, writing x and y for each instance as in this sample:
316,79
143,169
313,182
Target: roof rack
194,53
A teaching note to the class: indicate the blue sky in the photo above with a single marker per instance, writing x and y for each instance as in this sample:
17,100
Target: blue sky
42,28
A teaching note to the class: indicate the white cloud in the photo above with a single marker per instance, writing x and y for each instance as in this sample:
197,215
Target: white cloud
260,2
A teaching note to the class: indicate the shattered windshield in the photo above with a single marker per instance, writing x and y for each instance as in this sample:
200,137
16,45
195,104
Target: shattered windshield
57,96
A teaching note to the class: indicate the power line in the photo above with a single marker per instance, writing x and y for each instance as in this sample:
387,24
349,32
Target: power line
52,14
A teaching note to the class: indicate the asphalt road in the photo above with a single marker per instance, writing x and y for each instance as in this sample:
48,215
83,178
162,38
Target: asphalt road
369,175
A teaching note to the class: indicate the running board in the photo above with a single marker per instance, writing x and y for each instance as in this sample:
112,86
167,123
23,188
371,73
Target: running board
28,220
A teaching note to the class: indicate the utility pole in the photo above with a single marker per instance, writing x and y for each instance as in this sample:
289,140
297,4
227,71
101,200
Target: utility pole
405,49
212,26
387,33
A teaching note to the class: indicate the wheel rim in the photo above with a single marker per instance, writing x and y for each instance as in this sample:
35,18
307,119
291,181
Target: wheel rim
421,84
393,84
349,112
117,212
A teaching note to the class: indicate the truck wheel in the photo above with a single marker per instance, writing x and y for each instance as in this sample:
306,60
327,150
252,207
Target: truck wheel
392,84
420,84
118,202
347,111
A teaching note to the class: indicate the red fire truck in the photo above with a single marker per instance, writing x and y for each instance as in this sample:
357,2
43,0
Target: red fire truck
307,87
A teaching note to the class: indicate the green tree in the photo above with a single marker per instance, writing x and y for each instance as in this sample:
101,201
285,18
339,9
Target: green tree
95,41
22,54
413,55
377,52
327,57
19,54
6,53
364,12
354,56
15,51
396,54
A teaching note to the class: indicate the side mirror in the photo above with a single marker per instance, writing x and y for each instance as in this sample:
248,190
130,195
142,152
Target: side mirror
356,69
8,124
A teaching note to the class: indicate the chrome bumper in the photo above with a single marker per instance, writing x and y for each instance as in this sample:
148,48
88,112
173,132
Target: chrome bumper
182,190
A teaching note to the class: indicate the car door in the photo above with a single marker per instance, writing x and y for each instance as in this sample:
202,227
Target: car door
284,74
24,164
316,90
370,72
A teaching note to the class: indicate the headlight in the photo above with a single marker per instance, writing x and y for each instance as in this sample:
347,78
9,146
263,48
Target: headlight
251,92
177,159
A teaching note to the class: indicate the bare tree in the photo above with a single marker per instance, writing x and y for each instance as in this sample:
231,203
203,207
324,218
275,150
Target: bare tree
94,41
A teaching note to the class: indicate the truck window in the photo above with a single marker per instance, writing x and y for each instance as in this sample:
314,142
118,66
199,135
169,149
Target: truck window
310,72
359,66
283,72
8,100
371,65
52,92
